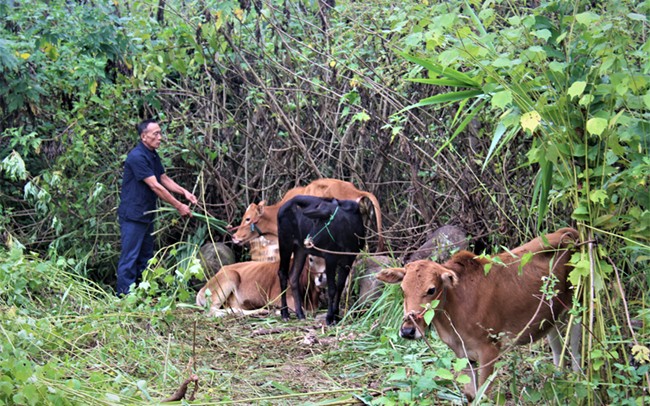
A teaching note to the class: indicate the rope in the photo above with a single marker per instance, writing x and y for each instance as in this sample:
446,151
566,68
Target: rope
325,227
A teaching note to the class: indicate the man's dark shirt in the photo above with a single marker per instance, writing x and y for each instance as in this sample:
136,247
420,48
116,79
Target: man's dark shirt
137,197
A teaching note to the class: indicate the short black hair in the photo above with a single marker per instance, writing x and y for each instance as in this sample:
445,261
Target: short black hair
140,127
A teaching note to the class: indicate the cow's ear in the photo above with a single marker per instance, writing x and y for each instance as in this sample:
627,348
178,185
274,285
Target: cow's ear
449,279
462,260
260,207
391,275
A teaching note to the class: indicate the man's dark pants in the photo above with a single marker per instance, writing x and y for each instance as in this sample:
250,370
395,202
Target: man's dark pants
137,250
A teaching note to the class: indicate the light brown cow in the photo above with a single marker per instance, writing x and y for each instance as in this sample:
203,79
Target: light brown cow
262,219
478,313
252,287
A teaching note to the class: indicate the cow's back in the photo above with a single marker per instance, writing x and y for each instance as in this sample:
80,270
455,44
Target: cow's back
509,297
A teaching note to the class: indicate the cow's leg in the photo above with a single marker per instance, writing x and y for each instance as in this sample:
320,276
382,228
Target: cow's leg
575,338
575,342
487,356
556,344
225,287
283,274
470,388
332,306
299,258
343,271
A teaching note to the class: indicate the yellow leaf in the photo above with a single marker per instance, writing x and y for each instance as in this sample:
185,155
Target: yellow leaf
530,120
641,354
218,22
24,55
332,64
239,13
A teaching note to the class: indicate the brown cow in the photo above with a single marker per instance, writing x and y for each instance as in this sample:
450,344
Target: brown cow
478,312
251,287
261,219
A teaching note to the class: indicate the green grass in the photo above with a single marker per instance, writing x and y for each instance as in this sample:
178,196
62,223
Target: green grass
65,341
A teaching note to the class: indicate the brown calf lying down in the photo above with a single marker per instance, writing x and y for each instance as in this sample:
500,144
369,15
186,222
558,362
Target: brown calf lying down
260,219
477,313
252,287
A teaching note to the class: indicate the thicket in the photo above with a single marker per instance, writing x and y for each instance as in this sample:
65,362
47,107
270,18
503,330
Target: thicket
504,118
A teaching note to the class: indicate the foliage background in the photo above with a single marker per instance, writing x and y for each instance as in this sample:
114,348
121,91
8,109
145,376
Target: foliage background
503,118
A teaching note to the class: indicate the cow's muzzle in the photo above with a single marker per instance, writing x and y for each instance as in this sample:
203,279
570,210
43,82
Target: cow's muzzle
409,332
413,325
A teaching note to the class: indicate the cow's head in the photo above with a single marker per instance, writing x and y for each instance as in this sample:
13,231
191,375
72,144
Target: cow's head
422,282
316,269
247,230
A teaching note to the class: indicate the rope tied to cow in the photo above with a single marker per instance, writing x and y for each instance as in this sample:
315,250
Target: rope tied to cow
256,229
309,240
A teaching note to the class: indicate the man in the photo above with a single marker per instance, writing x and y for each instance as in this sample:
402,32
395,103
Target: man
143,183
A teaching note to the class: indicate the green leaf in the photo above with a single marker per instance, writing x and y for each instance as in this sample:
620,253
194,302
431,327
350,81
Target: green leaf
428,316
502,62
580,270
587,18
542,189
577,88
444,373
557,66
487,267
460,363
361,116
441,71
502,99
598,196
438,81
525,259
586,100
473,112
448,97
413,39
497,142
463,379
637,17
580,213
542,34
282,387
399,374
596,125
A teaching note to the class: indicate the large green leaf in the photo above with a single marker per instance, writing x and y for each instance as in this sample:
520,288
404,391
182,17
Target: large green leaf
442,71
448,97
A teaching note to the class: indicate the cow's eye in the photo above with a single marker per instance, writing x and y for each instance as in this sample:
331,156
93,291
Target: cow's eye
431,291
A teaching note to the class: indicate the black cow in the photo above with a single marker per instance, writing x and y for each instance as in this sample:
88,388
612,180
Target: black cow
320,227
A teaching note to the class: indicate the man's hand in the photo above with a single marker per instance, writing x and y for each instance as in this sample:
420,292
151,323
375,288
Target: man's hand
190,197
184,210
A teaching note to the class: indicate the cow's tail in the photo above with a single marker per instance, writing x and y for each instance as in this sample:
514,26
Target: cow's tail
377,210
563,237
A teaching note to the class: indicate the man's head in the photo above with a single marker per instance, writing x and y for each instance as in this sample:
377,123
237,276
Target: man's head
150,134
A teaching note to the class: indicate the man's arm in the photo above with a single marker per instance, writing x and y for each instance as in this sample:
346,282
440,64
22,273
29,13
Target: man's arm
174,187
165,195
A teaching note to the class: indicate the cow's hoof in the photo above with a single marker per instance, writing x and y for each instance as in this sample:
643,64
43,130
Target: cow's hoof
331,320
